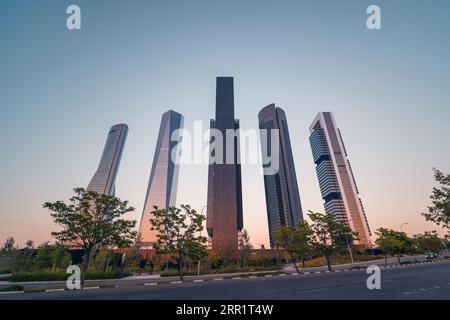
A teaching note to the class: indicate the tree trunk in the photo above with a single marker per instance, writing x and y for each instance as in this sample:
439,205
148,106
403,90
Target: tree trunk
105,265
180,255
87,257
293,260
327,257
398,258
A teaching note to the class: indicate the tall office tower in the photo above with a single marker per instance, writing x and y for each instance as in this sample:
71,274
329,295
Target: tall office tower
336,180
163,182
104,178
224,211
282,195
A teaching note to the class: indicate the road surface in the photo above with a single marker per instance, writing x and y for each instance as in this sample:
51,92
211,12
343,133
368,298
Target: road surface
421,281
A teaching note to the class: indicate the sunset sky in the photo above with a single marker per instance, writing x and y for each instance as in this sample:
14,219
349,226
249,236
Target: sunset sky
61,91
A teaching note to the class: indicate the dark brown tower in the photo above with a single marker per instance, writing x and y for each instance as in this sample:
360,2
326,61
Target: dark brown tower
224,211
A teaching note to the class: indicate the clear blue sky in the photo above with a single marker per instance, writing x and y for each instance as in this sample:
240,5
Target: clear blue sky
61,90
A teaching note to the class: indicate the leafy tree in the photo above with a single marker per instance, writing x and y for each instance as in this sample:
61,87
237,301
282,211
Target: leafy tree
132,258
91,220
429,241
245,247
178,232
393,243
8,246
295,240
327,234
439,212
44,257
60,257
196,251
29,244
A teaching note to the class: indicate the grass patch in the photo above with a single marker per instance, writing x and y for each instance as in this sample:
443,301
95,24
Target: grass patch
174,273
320,262
11,288
62,276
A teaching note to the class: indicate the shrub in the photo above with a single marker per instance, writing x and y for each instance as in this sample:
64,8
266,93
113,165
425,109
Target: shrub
12,288
62,276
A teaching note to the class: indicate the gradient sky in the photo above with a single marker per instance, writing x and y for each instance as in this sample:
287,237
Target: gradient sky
61,90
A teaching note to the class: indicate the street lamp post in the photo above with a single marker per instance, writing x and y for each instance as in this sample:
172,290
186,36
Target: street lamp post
198,263
348,244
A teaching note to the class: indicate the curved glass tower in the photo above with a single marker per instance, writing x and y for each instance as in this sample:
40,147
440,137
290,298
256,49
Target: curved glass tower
103,181
336,180
163,182
282,195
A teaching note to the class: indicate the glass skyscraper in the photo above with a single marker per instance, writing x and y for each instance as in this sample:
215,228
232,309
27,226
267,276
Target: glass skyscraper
163,182
282,195
336,180
103,181
224,207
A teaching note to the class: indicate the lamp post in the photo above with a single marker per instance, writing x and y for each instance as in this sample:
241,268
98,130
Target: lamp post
198,263
348,244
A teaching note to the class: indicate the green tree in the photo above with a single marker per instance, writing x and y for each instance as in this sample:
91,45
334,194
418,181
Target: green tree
196,251
60,257
393,243
295,241
29,244
43,258
8,246
327,234
439,212
92,220
245,247
429,241
178,232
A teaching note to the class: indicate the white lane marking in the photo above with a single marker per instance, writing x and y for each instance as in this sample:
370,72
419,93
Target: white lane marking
217,279
327,271
91,288
151,284
53,290
198,280
236,278
317,272
176,282
337,270
268,275
437,287
307,272
252,277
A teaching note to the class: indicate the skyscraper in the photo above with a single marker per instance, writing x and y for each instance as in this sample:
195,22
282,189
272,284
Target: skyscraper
336,180
224,211
103,181
163,182
282,195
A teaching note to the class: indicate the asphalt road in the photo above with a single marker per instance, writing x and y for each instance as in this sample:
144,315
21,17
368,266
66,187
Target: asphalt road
423,281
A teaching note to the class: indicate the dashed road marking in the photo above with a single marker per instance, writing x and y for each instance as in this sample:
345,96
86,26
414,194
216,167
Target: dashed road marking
268,275
91,288
236,278
217,279
150,284
176,282
198,280
252,277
